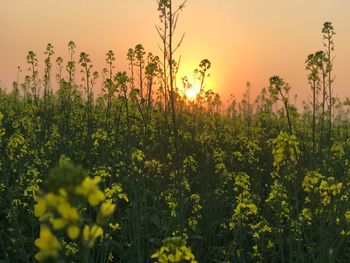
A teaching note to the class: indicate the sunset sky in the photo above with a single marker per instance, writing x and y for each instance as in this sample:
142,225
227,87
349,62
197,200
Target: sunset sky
246,40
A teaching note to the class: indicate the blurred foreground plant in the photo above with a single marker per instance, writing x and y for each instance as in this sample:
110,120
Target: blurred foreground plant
65,205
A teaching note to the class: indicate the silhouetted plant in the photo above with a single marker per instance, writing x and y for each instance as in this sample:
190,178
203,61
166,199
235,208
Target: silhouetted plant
109,84
328,35
139,56
312,66
33,62
48,66
59,62
279,90
70,67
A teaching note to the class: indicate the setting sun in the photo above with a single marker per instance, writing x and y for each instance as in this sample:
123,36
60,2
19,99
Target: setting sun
190,87
192,92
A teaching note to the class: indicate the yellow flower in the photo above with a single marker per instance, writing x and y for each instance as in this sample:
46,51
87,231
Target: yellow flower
89,189
106,210
326,200
58,223
73,232
48,244
115,226
347,216
52,199
68,212
174,250
344,198
306,216
91,234
338,187
269,244
40,208
63,192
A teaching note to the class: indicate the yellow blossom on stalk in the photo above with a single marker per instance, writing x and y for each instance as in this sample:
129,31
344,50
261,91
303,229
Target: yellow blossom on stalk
306,216
326,200
347,216
324,186
269,244
89,189
255,251
247,207
116,192
311,181
174,249
343,233
52,199
321,189
336,188
63,192
58,223
48,244
68,212
192,221
344,198
106,210
73,232
56,207
260,228
115,226
90,234
40,207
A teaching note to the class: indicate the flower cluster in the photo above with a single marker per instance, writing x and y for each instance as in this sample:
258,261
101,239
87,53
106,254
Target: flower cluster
245,208
192,221
285,153
48,244
174,250
57,210
320,189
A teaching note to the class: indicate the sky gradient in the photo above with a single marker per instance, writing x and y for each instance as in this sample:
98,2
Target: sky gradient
247,40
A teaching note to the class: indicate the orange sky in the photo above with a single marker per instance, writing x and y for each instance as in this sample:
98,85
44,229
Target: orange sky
245,40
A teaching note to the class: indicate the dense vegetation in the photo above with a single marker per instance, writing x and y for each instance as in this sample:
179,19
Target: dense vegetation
141,173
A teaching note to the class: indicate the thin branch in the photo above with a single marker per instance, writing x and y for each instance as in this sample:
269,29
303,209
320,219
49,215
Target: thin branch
179,44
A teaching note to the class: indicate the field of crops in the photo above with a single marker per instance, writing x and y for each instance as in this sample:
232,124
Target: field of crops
143,173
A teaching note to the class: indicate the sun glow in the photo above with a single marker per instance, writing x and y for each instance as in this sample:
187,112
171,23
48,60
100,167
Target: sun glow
191,93
189,82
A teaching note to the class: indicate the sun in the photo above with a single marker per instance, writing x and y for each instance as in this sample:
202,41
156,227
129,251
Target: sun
192,92
190,86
